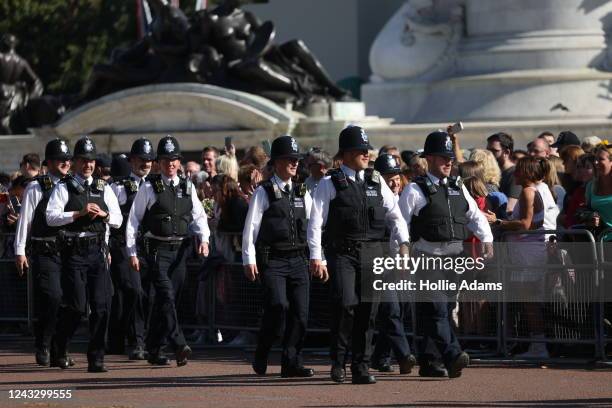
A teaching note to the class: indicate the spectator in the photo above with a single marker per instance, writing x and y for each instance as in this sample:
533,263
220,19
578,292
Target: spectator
192,169
318,162
249,178
589,143
551,179
5,181
566,138
539,148
501,145
227,165
492,174
519,154
30,165
529,250
210,155
10,214
582,174
418,167
569,156
550,139
256,156
231,205
599,190
392,150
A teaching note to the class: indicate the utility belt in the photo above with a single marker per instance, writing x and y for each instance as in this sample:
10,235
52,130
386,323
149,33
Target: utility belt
44,246
152,245
74,242
263,254
287,253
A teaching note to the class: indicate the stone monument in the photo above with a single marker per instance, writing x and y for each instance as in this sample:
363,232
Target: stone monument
483,61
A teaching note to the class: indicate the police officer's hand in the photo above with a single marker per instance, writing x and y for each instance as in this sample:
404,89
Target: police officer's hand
11,218
203,249
95,211
404,249
134,263
487,250
251,272
318,270
22,264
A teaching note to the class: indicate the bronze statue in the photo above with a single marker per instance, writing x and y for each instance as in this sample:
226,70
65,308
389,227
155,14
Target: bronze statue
18,82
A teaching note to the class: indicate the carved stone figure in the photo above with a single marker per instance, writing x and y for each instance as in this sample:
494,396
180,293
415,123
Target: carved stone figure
18,82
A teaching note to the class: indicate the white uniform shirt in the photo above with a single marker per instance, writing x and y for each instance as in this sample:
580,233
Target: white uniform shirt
31,197
57,217
412,200
143,201
258,205
326,192
119,188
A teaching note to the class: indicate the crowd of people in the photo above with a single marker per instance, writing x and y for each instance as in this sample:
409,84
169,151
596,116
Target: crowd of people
300,215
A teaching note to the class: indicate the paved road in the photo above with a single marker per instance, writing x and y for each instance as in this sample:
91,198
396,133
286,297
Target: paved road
223,378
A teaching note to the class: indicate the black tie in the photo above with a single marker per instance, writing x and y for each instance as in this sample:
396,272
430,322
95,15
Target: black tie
358,179
287,189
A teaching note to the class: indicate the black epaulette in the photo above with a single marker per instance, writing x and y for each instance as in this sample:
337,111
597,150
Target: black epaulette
372,175
73,184
338,178
98,185
156,182
130,185
45,182
274,193
187,185
427,186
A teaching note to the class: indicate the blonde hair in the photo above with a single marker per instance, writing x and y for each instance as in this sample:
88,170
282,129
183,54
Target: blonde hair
472,174
227,165
492,173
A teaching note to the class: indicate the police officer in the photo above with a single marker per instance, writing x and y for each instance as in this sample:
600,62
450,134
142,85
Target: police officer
440,213
127,316
84,206
391,334
167,207
41,242
353,203
275,236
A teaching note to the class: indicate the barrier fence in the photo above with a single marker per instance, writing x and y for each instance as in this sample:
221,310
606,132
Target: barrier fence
575,313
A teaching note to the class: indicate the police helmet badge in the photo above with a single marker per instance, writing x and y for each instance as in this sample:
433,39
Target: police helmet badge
364,136
146,147
88,146
294,145
391,161
169,146
448,145
63,146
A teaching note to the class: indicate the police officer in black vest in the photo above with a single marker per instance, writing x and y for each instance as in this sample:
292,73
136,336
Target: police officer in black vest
354,205
274,250
168,211
391,333
84,207
40,240
441,213
127,317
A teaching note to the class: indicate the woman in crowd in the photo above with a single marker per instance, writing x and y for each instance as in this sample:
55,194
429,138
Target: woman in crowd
569,156
582,173
529,250
551,179
599,190
492,173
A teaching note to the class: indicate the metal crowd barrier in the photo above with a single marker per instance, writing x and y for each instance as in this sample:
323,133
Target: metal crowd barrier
605,308
226,300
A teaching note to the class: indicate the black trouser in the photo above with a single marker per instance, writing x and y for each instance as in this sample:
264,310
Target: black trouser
434,309
86,280
127,311
352,318
47,274
286,289
167,275
391,331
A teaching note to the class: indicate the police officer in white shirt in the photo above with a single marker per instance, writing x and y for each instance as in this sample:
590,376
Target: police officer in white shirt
440,214
83,206
43,249
168,210
354,204
274,245
127,316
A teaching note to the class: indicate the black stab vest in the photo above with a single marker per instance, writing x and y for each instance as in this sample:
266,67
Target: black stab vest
40,228
283,224
78,200
170,215
357,212
131,188
444,217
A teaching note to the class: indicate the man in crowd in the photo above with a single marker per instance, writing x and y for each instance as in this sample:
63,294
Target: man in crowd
502,145
30,165
44,250
353,204
274,244
210,155
550,139
318,163
168,210
83,206
440,214
539,148
127,317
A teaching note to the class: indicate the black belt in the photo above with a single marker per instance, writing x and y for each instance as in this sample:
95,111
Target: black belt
74,241
288,253
152,244
43,247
